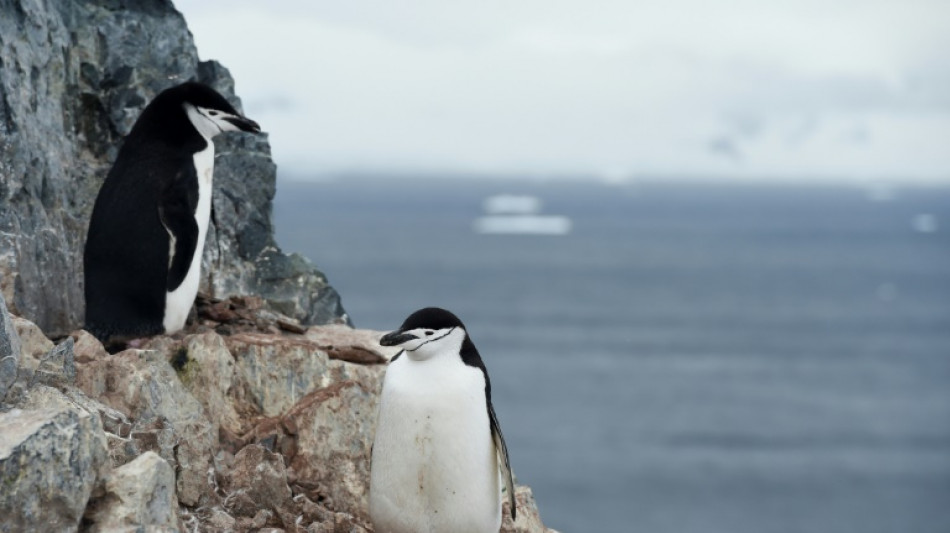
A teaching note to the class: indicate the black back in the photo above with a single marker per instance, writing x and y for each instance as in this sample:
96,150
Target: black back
126,258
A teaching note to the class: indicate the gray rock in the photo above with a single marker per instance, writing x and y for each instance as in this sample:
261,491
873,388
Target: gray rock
335,428
49,465
207,371
277,371
165,418
9,350
33,342
140,493
58,367
41,362
296,422
258,480
74,76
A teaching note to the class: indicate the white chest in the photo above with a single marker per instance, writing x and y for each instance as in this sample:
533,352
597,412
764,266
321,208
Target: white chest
178,302
434,466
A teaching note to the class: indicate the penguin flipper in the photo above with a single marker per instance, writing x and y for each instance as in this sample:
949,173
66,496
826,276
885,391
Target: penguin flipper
177,212
502,452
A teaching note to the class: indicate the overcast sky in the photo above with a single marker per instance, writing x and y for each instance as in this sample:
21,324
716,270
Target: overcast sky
800,89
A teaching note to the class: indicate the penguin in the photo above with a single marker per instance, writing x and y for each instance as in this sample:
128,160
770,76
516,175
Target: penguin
142,255
438,448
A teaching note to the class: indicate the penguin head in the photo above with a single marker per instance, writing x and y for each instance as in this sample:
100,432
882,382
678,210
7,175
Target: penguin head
210,113
207,111
429,333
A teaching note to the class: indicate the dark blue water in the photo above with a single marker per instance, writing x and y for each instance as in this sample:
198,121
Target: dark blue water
704,359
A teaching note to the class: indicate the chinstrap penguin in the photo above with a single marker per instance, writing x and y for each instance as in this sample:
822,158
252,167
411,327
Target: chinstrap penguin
438,448
143,250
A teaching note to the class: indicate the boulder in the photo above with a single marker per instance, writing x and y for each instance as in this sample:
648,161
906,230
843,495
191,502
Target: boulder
277,371
165,418
50,462
258,480
205,368
33,342
40,363
138,494
334,436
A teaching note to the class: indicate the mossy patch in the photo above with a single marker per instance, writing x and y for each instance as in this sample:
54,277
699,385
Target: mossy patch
184,366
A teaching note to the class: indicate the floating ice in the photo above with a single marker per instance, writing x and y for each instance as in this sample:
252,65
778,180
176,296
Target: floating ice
925,223
524,224
512,204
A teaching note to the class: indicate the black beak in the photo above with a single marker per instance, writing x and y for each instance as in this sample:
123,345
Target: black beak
244,124
396,338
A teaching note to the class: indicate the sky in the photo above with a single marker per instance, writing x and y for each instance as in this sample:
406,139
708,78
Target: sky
816,90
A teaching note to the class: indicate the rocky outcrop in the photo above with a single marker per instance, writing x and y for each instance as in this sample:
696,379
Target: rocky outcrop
249,420
252,429
139,493
74,76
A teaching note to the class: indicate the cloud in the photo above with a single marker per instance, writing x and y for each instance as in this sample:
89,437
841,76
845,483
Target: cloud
725,146
563,86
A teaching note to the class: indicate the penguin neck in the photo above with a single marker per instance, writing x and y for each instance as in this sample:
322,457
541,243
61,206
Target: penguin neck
445,349
205,127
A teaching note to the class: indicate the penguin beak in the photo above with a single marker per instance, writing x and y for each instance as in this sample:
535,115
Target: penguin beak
243,124
396,338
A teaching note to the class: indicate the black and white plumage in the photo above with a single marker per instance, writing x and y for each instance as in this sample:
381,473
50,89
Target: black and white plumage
143,249
438,448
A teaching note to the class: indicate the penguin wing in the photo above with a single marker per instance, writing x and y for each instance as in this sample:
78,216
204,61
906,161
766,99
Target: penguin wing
177,211
502,451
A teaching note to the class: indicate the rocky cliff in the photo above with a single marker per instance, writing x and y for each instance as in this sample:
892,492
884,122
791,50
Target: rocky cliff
74,76
244,422
247,421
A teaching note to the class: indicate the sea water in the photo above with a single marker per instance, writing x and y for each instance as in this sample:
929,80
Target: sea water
732,358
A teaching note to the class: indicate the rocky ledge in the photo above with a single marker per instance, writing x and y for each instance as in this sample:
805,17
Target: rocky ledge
247,421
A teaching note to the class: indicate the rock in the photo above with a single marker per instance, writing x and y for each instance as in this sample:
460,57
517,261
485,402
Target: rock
219,520
87,347
258,480
74,77
153,412
342,339
53,367
297,410
9,351
277,371
165,418
334,431
529,519
205,367
140,493
33,343
50,462
58,367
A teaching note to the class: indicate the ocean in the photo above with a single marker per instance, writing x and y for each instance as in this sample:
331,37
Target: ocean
689,358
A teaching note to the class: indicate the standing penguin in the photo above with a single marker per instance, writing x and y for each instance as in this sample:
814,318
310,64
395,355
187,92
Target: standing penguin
147,232
438,447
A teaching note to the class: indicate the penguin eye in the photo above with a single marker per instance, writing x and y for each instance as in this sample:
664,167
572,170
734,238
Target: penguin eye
429,332
213,113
